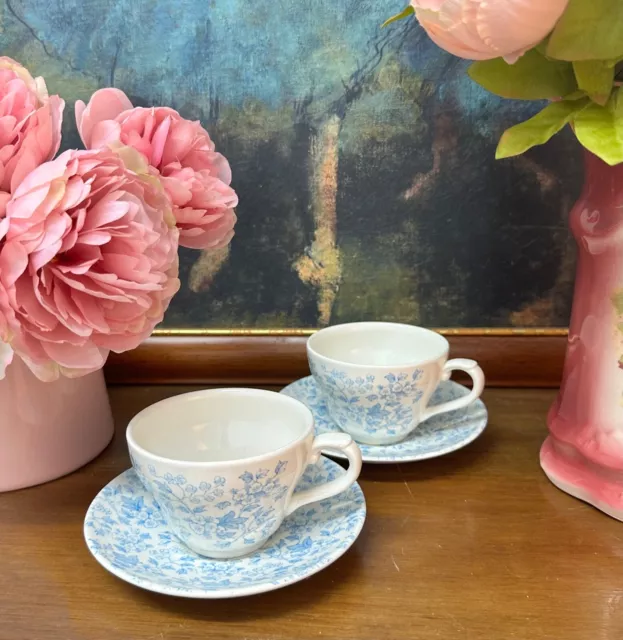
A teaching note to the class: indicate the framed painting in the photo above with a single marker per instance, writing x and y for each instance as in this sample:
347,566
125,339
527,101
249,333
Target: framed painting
363,159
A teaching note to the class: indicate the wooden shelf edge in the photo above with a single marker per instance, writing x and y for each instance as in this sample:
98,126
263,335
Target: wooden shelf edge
508,361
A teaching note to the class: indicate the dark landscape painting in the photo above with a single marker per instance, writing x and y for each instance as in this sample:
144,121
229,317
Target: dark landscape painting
363,158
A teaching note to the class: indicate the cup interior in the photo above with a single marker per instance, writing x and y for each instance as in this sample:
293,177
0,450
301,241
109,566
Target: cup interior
220,425
378,344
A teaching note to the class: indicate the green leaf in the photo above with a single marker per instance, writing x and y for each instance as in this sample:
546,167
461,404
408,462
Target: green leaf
576,95
596,78
532,77
600,129
539,129
405,13
542,46
588,30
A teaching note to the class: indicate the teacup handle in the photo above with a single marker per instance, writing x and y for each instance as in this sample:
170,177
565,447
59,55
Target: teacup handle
339,443
476,374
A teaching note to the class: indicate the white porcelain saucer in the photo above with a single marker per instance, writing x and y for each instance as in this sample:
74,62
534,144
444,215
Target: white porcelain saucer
128,536
435,437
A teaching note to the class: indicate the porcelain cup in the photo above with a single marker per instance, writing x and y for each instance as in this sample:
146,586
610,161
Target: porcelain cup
377,377
223,465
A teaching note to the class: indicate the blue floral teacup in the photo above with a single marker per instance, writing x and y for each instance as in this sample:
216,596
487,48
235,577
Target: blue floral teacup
377,377
223,465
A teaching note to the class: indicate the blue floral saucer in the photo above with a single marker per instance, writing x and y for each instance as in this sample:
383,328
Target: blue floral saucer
127,535
435,437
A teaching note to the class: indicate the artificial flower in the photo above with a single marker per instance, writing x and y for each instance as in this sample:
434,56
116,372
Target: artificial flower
196,178
486,29
88,261
30,125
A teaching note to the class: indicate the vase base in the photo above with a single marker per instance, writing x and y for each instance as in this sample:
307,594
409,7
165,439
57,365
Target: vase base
49,429
569,470
61,468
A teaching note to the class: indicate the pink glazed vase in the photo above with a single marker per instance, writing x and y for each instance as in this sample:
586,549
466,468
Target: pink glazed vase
583,454
48,429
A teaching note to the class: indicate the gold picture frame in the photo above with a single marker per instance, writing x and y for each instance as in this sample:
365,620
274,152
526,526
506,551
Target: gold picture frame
289,333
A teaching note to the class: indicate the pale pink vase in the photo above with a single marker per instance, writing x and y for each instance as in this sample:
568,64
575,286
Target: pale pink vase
48,429
583,454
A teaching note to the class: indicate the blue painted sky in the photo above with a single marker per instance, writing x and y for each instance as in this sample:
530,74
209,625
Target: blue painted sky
269,49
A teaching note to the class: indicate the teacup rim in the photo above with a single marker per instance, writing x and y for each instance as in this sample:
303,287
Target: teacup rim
133,445
381,367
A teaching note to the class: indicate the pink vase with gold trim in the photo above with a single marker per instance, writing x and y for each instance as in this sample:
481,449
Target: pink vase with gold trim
583,454
48,429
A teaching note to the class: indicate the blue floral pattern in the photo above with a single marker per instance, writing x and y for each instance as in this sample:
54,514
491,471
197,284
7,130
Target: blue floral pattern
436,436
127,533
243,515
389,403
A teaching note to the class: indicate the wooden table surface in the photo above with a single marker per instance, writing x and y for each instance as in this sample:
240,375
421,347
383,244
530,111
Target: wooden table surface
477,545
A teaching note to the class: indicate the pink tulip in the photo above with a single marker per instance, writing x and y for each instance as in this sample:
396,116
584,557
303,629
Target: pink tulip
485,29
195,177
88,262
30,125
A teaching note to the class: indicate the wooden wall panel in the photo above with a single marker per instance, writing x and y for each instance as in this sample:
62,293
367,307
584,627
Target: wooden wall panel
508,360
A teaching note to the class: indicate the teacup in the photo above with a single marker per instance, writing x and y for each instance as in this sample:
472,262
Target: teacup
377,377
223,465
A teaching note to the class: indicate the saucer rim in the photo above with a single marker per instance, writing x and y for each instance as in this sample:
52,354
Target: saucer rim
406,457
224,593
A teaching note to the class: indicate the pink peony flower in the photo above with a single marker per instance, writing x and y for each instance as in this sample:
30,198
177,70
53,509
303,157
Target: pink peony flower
30,125
485,29
88,263
195,177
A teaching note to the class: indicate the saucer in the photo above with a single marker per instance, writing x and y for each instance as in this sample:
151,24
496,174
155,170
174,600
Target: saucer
435,437
128,536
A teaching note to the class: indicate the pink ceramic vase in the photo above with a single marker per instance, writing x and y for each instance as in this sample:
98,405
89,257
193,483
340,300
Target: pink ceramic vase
48,429
583,454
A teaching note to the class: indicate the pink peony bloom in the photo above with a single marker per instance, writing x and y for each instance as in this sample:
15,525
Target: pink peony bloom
485,29
195,177
88,263
30,125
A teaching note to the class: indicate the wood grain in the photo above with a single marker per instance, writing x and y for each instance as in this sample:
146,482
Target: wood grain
474,545
508,361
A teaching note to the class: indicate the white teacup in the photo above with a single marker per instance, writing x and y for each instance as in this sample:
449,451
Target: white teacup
223,465
377,377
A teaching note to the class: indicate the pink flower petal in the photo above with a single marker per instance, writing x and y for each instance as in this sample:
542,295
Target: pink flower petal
4,226
39,259
105,104
92,312
85,356
105,133
13,263
511,26
107,210
158,141
486,29
95,238
179,142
